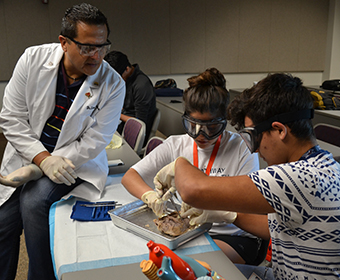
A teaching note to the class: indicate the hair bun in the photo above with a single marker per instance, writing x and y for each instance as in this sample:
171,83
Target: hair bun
210,77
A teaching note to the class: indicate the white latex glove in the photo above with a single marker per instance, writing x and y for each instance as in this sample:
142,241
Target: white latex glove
200,216
204,278
164,180
153,200
21,176
184,208
59,170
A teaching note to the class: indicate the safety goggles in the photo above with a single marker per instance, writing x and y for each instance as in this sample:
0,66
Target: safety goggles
209,129
91,49
252,136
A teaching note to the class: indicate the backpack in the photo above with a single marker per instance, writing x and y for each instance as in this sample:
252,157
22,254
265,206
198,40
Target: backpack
331,85
325,100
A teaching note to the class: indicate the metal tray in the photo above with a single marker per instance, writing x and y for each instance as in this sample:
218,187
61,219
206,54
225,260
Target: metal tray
137,218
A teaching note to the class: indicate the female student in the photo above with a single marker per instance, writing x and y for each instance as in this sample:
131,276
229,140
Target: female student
209,147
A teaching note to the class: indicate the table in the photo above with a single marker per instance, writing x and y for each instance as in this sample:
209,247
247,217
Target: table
100,250
334,150
171,115
126,154
216,259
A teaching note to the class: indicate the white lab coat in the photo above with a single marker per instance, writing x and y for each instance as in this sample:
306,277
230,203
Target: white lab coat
29,101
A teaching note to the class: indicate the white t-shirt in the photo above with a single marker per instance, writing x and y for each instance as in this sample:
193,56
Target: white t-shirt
233,158
305,229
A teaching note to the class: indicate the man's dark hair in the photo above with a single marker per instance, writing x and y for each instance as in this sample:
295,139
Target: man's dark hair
207,93
81,13
118,61
276,94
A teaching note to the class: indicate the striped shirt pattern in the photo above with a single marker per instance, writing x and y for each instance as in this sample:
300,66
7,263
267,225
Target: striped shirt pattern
65,95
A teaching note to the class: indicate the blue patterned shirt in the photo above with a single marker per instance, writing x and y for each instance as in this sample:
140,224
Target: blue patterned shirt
305,228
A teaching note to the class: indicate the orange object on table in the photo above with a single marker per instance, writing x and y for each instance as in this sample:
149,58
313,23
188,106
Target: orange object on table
149,269
180,267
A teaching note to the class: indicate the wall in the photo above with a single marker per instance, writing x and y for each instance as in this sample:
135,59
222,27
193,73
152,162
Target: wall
122,24
180,37
332,65
240,80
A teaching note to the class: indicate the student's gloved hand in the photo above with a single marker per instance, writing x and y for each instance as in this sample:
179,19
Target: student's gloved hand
164,181
200,216
153,200
204,278
21,176
59,170
184,208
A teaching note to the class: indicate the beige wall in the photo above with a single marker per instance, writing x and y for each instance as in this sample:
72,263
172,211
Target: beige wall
178,37
332,65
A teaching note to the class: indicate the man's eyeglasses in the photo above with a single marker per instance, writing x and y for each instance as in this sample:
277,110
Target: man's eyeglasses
91,49
252,136
209,129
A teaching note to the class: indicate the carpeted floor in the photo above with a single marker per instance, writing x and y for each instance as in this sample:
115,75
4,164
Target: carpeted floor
23,261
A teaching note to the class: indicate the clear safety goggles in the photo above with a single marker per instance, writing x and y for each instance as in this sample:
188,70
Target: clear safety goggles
209,129
91,49
252,136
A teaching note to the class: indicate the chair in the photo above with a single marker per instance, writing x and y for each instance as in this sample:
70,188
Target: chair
155,124
134,134
328,133
153,130
152,143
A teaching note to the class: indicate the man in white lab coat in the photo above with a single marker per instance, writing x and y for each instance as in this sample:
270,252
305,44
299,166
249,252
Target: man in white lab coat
60,110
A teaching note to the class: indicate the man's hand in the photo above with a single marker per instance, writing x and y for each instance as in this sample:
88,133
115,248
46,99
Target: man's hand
164,181
153,200
200,216
21,176
59,170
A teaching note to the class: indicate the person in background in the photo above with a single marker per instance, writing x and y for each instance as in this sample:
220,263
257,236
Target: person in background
215,151
140,98
298,190
60,110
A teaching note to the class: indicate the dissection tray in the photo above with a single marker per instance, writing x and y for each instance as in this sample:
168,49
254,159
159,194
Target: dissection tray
137,218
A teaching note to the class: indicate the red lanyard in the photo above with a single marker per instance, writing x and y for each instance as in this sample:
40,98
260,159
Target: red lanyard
212,157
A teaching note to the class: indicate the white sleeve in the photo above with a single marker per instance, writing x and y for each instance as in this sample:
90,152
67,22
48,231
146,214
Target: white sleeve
248,162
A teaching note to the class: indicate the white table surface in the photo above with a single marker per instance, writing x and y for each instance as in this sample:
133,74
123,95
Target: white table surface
100,250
